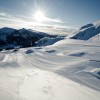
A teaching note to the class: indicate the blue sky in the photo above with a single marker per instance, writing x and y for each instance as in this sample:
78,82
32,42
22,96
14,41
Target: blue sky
61,12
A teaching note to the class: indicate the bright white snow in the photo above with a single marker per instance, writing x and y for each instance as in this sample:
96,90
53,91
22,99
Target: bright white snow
86,32
67,70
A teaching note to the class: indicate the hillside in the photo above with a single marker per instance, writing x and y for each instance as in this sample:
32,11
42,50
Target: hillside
12,38
69,69
86,32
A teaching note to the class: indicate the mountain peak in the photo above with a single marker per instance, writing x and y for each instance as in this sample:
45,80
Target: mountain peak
86,32
7,30
97,24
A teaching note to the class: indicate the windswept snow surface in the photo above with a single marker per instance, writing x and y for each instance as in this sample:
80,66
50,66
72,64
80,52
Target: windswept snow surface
67,70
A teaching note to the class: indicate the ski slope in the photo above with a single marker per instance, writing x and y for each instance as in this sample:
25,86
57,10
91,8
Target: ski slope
67,70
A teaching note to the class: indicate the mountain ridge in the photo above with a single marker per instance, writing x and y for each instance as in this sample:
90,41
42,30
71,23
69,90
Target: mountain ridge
86,32
10,38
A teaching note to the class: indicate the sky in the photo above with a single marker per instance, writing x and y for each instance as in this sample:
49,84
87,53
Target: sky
58,13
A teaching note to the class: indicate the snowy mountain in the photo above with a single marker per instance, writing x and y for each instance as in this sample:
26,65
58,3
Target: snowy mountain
48,40
95,38
9,38
6,30
86,32
25,37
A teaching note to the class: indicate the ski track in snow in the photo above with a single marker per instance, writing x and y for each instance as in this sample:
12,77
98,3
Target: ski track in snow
57,72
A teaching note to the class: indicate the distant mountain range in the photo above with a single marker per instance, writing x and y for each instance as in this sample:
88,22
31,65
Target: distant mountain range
11,38
86,32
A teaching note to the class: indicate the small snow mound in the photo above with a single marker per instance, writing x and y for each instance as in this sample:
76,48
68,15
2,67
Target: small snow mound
95,60
98,73
60,54
78,54
51,51
38,48
29,51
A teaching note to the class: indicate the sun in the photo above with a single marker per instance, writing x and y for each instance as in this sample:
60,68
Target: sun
39,16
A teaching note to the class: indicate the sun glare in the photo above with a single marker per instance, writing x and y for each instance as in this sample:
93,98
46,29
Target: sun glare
39,16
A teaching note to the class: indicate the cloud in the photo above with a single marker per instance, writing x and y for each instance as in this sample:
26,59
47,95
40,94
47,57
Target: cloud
21,21
53,20
2,14
9,19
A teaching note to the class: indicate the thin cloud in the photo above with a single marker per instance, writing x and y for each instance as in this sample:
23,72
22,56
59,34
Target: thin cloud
53,20
2,14
9,18
21,21
57,27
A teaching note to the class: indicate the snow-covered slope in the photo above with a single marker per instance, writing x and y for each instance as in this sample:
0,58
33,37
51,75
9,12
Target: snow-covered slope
67,70
95,38
48,41
86,32
6,30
